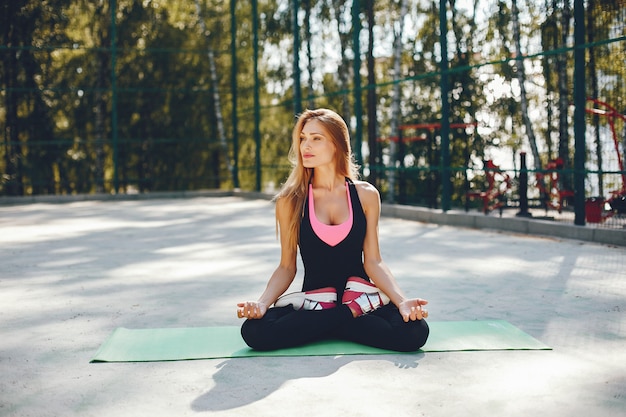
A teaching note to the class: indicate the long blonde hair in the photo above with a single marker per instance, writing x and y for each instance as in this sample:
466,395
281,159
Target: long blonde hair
294,190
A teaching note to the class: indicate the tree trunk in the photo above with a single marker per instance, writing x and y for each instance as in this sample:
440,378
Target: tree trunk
521,76
216,96
309,53
297,86
564,94
11,128
549,32
372,119
395,103
344,67
593,78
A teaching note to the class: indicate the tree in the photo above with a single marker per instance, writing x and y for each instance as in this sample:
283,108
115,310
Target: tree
521,78
215,90
395,103
593,81
80,111
564,93
372,122
27,68
467,96
340,12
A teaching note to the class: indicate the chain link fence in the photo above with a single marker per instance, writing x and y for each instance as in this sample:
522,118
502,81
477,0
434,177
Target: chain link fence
132,97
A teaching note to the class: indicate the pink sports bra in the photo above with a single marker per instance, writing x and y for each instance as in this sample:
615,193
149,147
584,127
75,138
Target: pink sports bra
331,234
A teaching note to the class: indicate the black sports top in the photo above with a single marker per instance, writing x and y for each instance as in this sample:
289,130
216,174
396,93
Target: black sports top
331,266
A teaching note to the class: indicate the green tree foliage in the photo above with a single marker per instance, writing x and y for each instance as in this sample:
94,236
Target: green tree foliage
28,29
101,100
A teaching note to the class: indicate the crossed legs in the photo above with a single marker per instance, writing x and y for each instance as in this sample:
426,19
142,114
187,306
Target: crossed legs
285,327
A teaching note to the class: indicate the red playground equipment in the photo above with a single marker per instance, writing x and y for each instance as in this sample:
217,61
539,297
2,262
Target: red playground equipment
617,200
498,183
551,191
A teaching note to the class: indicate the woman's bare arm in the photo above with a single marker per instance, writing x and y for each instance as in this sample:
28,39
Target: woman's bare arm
282,277
375,267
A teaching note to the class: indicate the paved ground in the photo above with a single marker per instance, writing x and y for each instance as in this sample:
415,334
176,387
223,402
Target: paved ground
71,273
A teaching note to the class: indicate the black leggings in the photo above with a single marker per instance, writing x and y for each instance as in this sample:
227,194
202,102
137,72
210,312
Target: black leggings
285,327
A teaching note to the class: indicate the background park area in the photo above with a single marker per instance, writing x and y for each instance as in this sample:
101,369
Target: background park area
480,105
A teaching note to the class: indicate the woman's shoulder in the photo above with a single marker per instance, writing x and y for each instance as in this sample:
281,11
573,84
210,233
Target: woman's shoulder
283,203
368,193
365,187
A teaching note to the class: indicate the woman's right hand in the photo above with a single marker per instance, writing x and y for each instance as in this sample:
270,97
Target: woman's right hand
251,310
413,309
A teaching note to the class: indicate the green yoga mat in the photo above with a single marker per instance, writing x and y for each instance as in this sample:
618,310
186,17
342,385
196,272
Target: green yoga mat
172,344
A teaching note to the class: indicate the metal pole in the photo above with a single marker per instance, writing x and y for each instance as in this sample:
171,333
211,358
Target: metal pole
445,108
523,187
257,116
358,105
233,90
579,113
114,137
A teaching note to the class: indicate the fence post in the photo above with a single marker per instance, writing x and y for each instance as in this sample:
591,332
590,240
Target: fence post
114,99
446,185
233,91
579,112
523,187
257,115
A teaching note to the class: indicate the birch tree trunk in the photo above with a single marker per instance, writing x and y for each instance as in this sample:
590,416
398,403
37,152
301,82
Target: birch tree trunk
593,78
395,103
216,96
344,68
521,77
564,93
309,53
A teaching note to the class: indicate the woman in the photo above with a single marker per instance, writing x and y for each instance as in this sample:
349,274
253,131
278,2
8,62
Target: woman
333,218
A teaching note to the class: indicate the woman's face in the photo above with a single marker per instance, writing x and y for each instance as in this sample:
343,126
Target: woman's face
316,146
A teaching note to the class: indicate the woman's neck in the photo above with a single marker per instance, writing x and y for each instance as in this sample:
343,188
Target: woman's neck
327,180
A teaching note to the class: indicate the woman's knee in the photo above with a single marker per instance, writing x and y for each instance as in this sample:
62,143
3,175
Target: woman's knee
252,334
416,337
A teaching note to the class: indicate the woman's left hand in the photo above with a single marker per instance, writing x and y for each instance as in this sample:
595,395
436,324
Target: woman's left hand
413,309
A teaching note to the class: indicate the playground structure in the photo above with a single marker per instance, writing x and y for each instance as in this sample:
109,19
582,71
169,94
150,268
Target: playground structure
617,198
549,185
494,190
498,185
414,178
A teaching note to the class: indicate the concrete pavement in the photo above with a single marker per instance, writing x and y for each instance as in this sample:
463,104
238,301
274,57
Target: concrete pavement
71,273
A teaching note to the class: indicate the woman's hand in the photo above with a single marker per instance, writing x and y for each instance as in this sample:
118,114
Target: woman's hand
413,309
251,310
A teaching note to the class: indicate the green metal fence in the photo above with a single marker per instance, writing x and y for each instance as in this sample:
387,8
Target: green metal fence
127,96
